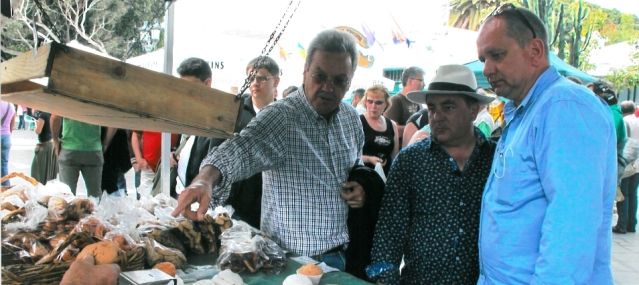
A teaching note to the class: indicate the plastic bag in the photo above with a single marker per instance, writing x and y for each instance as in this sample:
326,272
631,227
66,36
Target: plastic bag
94,226
275,257
240,254
380,171
34,214
244,249
156,253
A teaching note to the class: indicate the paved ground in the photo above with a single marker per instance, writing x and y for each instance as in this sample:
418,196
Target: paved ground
625,251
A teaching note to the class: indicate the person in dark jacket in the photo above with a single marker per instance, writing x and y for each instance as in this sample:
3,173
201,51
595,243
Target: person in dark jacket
245,195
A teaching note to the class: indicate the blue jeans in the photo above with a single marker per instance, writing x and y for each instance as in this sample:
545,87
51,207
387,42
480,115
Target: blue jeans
6,146
336,259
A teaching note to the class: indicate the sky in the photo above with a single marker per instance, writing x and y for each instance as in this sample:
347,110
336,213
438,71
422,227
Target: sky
627,6
230,35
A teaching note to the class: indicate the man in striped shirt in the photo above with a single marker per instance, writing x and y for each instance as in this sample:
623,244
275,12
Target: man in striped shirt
305,146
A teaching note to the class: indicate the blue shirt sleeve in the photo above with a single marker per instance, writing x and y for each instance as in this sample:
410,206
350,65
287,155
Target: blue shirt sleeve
570,158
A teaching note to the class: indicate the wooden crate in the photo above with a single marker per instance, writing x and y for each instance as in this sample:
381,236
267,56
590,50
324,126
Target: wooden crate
98,90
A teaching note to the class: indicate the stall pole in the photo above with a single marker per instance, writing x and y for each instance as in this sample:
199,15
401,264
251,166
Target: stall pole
168,69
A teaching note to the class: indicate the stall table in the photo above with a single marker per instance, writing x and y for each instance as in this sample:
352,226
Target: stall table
261,278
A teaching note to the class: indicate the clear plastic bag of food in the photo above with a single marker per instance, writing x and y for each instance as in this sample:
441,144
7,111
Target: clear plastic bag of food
274,256
156,253
94,226
25,219
240,253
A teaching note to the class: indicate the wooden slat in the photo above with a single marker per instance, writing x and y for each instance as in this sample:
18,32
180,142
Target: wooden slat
99,115
108,92
20,87
26,66
140,92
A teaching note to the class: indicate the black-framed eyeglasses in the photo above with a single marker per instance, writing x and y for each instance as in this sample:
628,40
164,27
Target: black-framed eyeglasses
338,81
511,7
418,79
262,79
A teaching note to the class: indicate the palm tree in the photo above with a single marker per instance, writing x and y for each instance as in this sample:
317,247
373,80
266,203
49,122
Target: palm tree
468,14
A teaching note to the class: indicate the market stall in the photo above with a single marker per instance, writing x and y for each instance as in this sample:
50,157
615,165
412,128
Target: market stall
45,228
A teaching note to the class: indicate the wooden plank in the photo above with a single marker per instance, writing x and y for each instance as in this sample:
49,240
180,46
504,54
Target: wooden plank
135,90
20,87
26,66
140,92
89,112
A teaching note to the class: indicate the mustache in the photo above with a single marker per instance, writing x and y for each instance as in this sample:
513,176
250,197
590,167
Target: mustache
326,95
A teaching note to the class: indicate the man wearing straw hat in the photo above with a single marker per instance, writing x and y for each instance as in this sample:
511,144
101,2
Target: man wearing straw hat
430,210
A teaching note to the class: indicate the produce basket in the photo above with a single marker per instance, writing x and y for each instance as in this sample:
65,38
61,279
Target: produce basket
52,273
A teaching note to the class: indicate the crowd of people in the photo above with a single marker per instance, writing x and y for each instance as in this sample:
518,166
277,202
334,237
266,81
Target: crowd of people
484,186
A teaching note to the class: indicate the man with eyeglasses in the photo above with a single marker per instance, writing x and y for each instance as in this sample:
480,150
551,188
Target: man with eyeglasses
547,206
304,145
245,195
400,107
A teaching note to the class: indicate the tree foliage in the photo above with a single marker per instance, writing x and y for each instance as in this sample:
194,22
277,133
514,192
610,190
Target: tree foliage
627,77
468,14
117,27
569,23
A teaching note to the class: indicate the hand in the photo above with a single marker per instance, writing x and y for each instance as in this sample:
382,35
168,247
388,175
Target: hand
372,159
354,194
142,164
199,191
136,166
56,147
83,270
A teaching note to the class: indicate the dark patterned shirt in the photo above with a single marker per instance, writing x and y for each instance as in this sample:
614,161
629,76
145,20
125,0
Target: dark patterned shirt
430,215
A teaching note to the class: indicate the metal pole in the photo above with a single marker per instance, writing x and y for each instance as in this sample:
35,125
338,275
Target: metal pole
168,69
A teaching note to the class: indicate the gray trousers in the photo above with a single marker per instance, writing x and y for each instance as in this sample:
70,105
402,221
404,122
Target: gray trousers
73,162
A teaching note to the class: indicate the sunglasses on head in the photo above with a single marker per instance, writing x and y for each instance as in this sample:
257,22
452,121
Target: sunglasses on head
505,8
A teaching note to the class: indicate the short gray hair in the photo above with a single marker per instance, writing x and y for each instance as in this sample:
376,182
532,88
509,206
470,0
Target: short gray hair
333,41
411,72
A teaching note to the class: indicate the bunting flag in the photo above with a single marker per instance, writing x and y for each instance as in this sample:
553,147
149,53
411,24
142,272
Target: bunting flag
398,35
301,50
370,35
365,60
283,53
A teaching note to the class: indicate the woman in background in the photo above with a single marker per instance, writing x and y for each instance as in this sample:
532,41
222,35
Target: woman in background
381,139
45,162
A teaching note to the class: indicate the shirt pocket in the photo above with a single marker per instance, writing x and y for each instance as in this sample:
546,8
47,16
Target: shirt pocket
521,182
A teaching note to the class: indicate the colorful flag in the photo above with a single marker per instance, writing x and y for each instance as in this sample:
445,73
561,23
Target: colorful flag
370,35
283,53
301,50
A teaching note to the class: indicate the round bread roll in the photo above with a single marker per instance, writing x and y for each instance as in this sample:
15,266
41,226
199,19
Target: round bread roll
56,206
104,252
166,267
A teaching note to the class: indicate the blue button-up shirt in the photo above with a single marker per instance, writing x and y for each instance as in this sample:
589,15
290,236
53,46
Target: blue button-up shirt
547,206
